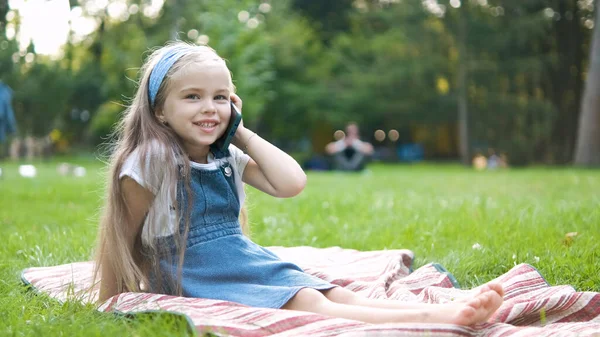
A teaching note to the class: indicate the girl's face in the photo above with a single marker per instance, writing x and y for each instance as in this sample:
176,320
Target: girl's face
197,105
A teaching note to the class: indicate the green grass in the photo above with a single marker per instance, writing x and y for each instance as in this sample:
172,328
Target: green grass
439,212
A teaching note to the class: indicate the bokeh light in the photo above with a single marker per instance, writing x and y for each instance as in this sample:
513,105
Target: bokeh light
203,39
192,34
243,16
29,57
133,9
264,7
252,23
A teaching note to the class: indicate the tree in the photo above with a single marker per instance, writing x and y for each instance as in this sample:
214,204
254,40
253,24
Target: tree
304,67
524,76
463,107
565,87
4,8
587,152
330,17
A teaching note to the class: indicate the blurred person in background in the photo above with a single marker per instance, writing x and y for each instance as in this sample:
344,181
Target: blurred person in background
350,153
8,124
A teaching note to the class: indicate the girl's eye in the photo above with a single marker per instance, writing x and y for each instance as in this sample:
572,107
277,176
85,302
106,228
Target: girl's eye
192,96
220,97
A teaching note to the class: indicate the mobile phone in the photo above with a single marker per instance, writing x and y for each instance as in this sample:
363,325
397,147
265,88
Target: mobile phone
234,121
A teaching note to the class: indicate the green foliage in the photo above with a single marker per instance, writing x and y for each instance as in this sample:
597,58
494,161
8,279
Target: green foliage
329,17
383,70
104,122
298,98
40,97
304,68
7,66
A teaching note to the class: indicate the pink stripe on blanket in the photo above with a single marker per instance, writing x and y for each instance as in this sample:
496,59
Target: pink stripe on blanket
531,307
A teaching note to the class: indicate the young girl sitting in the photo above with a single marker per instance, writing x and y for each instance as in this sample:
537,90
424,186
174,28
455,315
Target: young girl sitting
171,222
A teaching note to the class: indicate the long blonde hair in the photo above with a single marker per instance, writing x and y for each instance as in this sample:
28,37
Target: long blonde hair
163,163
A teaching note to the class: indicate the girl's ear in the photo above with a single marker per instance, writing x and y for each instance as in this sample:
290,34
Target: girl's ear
160,116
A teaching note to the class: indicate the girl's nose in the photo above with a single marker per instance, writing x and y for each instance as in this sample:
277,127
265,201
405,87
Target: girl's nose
209,107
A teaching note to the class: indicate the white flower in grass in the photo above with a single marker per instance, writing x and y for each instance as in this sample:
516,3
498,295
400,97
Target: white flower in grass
514,256
536,258
27,171
477,246
79,171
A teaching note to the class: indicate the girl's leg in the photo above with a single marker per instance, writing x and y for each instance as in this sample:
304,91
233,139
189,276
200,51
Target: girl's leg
345,296
477,310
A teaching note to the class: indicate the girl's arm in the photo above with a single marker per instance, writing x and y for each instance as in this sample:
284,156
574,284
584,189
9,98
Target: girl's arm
334,147
364,147
269,169
108,280
138,200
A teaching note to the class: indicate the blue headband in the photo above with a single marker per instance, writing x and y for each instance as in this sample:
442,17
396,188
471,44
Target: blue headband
162,67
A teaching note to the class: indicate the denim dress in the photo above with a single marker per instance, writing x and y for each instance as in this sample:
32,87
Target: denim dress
222,264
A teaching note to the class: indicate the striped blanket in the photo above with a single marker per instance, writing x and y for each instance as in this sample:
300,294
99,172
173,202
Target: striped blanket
531,306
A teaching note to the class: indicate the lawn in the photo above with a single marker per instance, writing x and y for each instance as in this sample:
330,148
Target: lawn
476,224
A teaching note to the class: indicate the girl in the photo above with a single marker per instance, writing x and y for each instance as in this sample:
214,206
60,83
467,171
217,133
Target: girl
170,223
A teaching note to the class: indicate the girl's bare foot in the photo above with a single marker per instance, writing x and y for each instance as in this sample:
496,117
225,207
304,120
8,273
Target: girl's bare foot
476,310
495,286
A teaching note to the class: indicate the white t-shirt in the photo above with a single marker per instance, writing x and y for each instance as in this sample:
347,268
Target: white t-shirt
166,216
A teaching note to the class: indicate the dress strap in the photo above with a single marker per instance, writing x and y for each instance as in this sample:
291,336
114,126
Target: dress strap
220,157
218,153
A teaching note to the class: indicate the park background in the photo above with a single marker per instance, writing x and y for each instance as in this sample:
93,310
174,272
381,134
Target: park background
455,77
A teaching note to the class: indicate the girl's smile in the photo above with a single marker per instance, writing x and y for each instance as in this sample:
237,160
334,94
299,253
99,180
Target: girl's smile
207,126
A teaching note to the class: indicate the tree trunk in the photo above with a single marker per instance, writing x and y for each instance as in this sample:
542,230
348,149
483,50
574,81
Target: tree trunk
463,113
587,152
566,93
